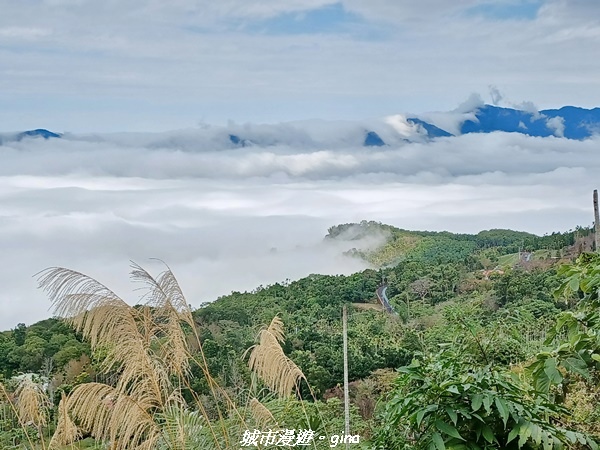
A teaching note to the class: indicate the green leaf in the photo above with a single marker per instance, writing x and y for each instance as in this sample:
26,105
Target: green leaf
502,409
542,382
453,389
571,436
551,371
448,429
563,347
524,433
487,402
476,402
513,433
536,433
438,441
478,417
574,283
488,434
452,414
421,413
548,443
576,365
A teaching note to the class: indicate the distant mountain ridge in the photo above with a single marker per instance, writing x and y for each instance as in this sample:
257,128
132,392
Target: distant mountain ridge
568,122
38,133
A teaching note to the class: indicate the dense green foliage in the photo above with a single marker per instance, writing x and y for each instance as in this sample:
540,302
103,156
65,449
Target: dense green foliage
311,308
576,333
46,346
449,402
444,247
490,311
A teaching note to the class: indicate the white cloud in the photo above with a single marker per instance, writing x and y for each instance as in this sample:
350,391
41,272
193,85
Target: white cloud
472,103
405,129
26,33
231,219
495,95
93,66
557,124
530,107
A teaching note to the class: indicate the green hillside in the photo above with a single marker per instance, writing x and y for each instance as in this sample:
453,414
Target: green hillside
397,245
474,305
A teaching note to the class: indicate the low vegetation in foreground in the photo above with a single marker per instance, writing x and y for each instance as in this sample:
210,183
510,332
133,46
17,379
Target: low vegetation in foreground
493,344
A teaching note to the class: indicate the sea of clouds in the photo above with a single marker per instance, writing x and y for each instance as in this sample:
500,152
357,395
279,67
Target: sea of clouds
227,217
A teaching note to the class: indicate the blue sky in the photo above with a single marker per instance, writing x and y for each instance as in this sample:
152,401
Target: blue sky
83,65
327,19
517,10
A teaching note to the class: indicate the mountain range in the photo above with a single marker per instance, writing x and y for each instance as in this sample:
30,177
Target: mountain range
568,122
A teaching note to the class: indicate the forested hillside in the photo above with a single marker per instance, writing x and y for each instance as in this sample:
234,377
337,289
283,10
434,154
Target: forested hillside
485,362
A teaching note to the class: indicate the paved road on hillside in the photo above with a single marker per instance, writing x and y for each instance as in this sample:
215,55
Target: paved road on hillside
383,298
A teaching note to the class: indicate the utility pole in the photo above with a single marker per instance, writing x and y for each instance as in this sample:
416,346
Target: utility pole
346,390
596,221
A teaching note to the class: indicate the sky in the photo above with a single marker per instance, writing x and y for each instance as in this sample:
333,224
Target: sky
152,65
117,77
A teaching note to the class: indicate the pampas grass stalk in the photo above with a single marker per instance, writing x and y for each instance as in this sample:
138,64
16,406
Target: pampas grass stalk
145,346
270,363
4,396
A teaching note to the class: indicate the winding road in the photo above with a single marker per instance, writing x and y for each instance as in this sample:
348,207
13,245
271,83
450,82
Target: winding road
383,298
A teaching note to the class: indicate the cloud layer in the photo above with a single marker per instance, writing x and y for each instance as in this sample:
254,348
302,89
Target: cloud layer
233,218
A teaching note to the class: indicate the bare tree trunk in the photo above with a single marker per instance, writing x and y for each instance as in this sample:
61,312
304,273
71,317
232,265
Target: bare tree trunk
596,221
